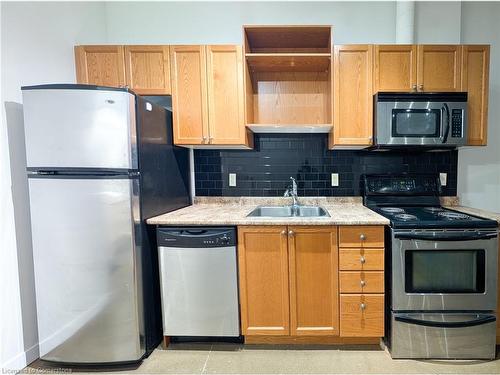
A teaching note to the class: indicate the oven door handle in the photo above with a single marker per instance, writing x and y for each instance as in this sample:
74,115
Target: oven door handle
446,236
482,319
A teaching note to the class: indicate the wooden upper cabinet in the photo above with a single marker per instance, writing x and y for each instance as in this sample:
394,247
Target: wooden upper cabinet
395,68
226,95
100,65
475,80
263,276
439,68
147,69
352,95
313,258
189,94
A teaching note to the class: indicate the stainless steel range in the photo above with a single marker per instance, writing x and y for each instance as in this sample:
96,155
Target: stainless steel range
441,286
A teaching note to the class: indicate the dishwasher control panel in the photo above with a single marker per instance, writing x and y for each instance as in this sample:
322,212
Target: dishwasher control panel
196,237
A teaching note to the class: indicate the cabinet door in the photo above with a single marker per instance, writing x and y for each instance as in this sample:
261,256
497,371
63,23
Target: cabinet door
395,68
100,65
313,281
263,275
189,94
439,67
147,69
475,80
226,110
362,315
353,102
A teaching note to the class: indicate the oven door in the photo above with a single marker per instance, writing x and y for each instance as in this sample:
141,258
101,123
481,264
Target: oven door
436,270
425,123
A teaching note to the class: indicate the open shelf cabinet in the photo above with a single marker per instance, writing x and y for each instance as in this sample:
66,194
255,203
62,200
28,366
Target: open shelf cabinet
288,78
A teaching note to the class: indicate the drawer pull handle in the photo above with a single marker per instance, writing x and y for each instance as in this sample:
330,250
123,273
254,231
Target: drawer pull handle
363,283
362,306
362,237
362,260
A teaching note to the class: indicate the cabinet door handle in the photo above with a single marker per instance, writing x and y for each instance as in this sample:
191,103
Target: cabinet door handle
283,232
421,87
204,140
291,233
210,140
362,237
363,283
362,260
414,87
362,306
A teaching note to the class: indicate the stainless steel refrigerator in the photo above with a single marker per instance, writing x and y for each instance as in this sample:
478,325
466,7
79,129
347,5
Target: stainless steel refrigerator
100,161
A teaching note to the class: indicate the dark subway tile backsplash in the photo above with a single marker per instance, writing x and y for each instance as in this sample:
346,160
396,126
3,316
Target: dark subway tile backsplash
266,170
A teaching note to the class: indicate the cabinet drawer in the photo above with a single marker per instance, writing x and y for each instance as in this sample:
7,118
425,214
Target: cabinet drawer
361,259
361,236
362,282
362,315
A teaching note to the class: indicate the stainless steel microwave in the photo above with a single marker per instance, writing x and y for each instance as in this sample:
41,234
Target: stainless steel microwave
420,119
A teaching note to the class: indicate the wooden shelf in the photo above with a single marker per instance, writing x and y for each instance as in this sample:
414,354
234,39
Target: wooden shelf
290,128
288,62
284,38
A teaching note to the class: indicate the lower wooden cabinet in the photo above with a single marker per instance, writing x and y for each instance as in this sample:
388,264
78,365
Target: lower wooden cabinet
263,276
289,282
362,315
313,265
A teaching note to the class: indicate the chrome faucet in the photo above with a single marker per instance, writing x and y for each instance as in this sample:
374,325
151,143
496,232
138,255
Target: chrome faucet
291,191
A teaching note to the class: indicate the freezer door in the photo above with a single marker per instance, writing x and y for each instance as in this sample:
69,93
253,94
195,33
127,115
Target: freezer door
89,308
78,128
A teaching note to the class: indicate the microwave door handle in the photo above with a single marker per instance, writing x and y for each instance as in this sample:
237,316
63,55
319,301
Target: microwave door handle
482,319
446,236
447,124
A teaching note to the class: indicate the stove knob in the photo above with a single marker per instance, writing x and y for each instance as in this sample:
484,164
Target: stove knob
362,237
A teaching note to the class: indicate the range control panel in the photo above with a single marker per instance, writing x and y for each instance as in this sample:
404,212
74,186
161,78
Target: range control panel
457,122
401,185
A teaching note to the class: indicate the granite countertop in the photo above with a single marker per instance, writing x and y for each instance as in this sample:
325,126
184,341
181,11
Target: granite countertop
234,211
476,211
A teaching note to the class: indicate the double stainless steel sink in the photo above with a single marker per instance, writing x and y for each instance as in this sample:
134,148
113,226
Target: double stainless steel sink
289,211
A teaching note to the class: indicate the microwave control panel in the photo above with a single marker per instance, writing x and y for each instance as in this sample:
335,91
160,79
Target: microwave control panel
457,123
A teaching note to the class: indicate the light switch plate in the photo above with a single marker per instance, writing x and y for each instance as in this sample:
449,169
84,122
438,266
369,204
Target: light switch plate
443,177
232,179
335,179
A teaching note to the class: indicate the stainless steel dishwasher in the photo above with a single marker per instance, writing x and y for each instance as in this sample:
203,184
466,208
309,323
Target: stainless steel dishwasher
199,285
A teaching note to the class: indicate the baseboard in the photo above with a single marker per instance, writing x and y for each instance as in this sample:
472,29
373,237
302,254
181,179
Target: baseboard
32,354
21,360
313,340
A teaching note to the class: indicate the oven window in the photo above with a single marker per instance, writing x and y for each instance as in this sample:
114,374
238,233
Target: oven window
444,271
416,123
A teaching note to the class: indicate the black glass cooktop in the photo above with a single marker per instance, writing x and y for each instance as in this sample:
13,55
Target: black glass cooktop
431,217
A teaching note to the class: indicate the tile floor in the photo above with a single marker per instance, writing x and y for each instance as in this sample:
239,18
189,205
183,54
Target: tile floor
221,358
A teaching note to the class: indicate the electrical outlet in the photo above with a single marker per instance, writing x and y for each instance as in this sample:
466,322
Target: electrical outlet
232,179
335,179
443,177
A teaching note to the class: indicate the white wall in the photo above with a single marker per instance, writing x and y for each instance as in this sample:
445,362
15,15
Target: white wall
37,46
479,167
221,22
